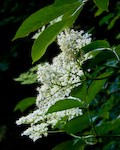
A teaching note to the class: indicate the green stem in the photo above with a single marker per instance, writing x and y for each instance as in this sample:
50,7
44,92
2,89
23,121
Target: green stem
91,121
59,131
116,54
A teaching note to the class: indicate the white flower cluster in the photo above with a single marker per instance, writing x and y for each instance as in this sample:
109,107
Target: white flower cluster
73,41
57,80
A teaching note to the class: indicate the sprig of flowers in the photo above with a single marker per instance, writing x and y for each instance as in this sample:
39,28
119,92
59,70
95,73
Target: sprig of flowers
56,82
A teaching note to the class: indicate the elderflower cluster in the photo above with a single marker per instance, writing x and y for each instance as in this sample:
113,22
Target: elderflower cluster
73,41
56,82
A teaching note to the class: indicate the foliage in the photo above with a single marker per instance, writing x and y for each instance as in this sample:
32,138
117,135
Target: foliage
2,132
11,17
48,36
28,77
99,92
24,104
102,4
110,18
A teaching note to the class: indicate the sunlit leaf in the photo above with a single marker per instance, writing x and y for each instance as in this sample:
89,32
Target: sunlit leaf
45,39
43,17
96,45
48,36
64,104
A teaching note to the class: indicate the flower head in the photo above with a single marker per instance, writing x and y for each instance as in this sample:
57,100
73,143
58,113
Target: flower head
56,82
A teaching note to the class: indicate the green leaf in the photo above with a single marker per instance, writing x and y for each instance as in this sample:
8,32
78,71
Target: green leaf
98,12
70,145
113,21
101,56
49,34
107,127
28,77
95,45
43,17
108,105
95,87
80,91
117,50
102,4
24,104
45,39
73,12
106,19
118,36
77,124
65,104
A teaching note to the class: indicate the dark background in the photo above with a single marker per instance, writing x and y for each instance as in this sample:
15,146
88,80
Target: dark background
15,58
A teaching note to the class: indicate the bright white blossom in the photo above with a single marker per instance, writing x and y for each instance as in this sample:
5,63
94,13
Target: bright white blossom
56,82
